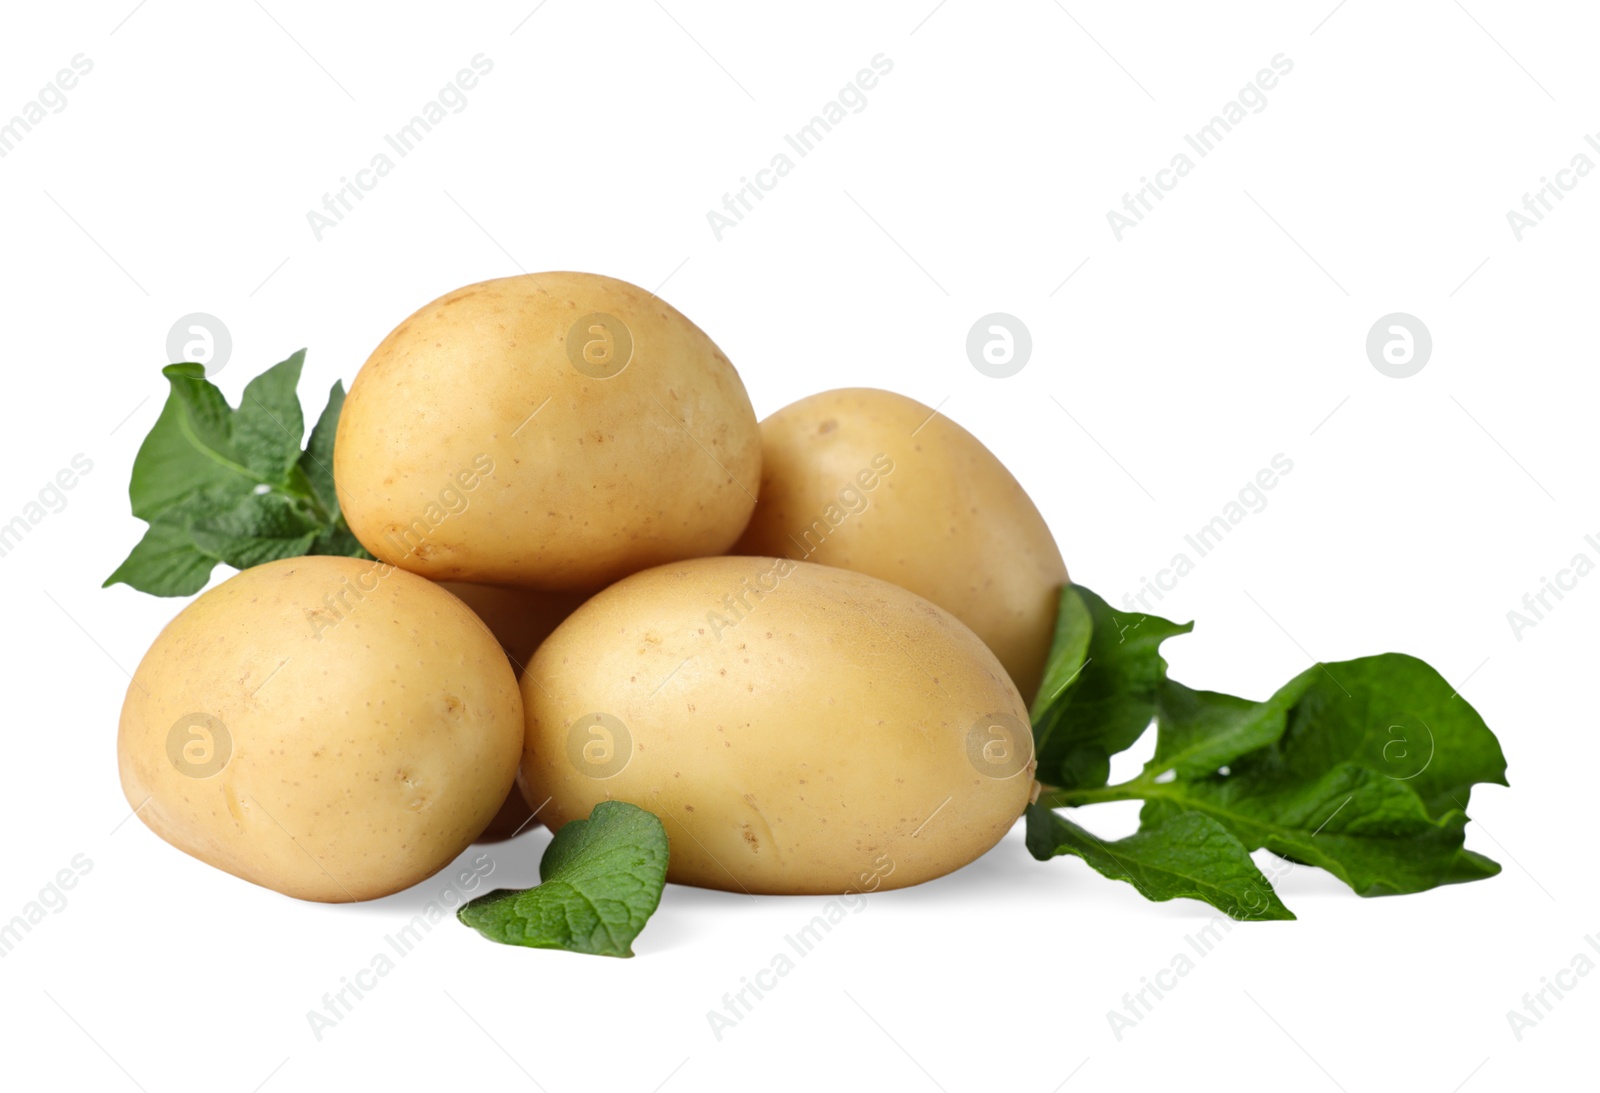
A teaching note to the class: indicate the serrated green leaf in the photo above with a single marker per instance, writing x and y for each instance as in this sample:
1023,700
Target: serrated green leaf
339,541
1188,855
1068,648
1112,700
1396,716
188,451
233,485
1470,866
1370,831
602,880
1199,732
1360,767
165,562
317,462
1368,776
258,528
268,426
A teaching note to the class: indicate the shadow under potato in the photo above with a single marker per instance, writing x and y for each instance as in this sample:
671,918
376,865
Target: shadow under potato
505,862
514,818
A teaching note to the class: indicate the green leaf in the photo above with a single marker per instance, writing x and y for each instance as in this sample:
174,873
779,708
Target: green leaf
1105,697
1369,830
165,562
1188,855
1396,716
188,451
218,484
1471,866
268,425
1068,648
260,527
1199,732
338,540
602,880
317,462
1362,767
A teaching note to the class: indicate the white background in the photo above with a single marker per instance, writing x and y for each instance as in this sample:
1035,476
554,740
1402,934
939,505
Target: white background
1168,370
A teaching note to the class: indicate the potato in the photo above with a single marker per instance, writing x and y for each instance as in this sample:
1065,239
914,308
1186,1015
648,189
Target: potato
881,484
798,728
330,728
553,431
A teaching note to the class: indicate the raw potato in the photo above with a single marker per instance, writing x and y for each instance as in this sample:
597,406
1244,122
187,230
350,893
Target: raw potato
331,728
879,483
554,431
798,728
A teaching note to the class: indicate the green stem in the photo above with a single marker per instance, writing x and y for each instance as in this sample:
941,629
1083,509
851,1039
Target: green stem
1137,789
299,487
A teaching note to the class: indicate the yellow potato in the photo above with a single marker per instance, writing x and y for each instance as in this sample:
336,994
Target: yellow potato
330,728
798,728
881,484
553,431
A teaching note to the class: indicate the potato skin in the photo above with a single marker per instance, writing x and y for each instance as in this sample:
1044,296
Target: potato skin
371,728
815,737
946,520
444,470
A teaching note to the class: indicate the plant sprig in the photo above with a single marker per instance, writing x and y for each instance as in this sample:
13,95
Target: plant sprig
1364,768
218,484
